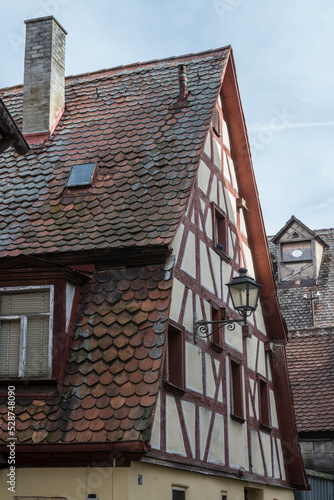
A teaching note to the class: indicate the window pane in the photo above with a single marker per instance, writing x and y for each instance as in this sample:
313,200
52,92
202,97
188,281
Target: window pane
37,347
25,303
175,356
179,495
237,390
30,304
81,175
9,348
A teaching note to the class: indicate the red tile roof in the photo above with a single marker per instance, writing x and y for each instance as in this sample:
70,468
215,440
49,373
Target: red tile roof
146,152
310,359
113,372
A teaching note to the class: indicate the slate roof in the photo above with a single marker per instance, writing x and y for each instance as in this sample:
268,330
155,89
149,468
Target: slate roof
146,152
114,368
310,350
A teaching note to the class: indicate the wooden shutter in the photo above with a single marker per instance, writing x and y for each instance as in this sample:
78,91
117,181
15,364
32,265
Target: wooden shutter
9,348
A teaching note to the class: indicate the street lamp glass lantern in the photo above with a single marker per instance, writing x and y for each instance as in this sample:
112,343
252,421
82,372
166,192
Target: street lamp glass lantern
244,293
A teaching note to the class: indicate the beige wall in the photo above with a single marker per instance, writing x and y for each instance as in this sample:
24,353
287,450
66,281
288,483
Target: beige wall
157,481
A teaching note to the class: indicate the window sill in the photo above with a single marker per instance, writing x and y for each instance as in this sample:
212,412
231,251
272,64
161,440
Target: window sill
223,255
265,427
238,419
216,347
169,387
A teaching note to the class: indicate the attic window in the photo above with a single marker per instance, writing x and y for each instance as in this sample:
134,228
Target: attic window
81,175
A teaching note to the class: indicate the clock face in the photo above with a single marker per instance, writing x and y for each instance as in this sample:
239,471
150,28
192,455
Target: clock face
296,253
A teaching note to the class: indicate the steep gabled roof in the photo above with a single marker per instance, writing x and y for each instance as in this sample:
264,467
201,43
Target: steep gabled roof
146,151
293,220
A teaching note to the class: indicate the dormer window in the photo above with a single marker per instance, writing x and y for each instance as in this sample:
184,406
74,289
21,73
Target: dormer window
299,254
81,175
26,322
36,304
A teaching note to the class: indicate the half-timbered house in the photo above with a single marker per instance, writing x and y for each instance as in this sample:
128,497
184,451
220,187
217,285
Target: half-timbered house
134,207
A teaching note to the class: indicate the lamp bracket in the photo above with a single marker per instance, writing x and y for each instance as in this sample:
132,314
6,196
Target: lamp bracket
202,325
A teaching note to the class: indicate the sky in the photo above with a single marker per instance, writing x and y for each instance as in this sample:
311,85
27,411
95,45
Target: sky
283,51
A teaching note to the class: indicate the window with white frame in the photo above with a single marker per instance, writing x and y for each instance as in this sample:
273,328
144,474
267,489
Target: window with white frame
26,318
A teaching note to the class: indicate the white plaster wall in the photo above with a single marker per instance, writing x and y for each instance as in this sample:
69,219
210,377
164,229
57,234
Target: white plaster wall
177,296
189,257
194,368
174,437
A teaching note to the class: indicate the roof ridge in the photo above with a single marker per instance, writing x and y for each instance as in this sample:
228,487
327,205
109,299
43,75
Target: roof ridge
131,65
149,62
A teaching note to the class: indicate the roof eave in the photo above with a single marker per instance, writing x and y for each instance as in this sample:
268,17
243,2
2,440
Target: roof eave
293,219
248,190
12,134
263,266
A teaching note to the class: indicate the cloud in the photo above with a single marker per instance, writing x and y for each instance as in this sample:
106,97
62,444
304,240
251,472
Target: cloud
329,203
258,128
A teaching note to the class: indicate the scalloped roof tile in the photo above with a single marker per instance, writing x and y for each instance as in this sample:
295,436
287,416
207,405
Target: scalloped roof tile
146,152
110,383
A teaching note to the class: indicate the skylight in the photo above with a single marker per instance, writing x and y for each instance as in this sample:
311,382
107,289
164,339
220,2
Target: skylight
81,175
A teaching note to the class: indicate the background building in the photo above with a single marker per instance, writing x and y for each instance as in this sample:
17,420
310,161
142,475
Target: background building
305,280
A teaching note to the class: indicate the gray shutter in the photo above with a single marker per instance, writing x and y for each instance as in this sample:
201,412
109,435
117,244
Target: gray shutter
30,304
9,348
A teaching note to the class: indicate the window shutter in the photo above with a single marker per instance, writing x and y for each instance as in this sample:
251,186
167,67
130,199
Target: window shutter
9,348
18,304
35,306
37,347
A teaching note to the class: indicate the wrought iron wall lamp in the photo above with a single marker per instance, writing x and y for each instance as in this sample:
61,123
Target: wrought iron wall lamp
244,293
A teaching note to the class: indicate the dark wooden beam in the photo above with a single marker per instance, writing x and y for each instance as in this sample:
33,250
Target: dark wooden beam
10,132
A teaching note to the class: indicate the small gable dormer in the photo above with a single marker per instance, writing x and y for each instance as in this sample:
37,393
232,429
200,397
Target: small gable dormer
299,254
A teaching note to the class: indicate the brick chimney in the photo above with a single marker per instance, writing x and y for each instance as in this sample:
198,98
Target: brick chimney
44,76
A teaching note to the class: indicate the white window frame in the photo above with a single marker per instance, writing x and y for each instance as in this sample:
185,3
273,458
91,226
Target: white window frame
24,323
180,488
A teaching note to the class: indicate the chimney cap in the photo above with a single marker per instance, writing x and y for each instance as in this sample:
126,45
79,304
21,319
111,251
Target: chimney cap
46,18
